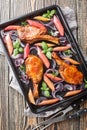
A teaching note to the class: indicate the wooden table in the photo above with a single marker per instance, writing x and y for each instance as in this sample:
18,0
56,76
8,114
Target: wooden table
12,104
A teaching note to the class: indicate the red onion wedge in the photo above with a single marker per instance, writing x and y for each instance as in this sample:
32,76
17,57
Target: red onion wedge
69,87
59,86
17,56
55,95
52,70
18,62
40,100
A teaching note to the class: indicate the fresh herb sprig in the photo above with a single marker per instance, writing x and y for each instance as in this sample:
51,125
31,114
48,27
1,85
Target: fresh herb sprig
23,68
24,23
47,50
85,83
17,48
68,52
49,14
45,89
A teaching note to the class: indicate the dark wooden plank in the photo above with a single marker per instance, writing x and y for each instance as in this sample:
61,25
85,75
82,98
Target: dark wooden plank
19,7
14,102
4,15
3,94
4,10
82,26
82,40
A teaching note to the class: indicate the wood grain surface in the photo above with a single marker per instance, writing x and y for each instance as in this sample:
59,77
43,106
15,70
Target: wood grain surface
12,103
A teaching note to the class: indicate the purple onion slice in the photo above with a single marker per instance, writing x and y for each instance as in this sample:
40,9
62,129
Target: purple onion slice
24,79
53,63
69,87
18,62
82,86
40,100
17,56
59,86
52,70
33,50
55,95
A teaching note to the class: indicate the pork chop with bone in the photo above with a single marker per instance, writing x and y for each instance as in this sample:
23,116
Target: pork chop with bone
32,33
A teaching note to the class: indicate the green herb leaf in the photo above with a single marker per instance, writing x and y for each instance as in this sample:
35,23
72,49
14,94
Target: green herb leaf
21,50
49,49
56,73
48,54
85,86
48,11
22,67
68,52
51,32
15,52
85,80
45,15
46,89
16,44
44,51
42,88
44,85
24,23
44,46
47,93
52,12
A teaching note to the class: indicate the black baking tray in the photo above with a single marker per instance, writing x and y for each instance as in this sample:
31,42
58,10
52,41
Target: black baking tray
73,42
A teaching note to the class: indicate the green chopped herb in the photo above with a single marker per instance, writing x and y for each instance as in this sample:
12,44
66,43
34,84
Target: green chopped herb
45,89
85,83
45,15
47,93
44,46
21,50
24,23
16,44
17,47
46,50
85,80
49,13
68,52
51,32
52,12
48,54
15,52
22,67
55,74
49,49
44,86
85,86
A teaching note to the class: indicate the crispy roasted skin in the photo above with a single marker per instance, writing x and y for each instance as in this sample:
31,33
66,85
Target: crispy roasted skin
31,34
34,70
69,73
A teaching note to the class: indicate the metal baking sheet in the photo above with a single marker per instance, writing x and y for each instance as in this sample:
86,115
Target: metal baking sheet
73,42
